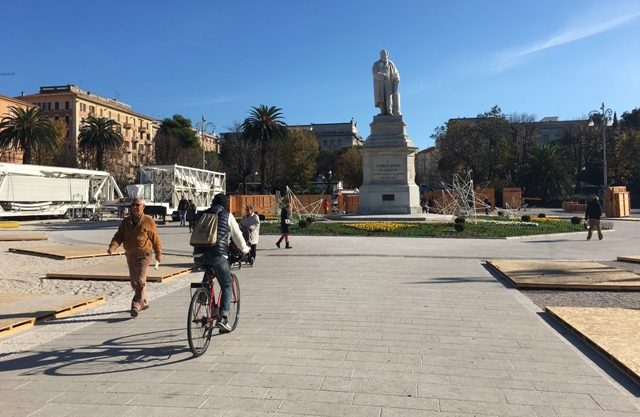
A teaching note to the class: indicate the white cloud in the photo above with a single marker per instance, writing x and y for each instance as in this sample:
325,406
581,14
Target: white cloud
581,28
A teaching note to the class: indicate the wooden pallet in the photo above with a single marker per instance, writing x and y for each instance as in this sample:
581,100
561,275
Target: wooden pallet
117,270
19,312
633,259
62,251
565,275
21,236
613,332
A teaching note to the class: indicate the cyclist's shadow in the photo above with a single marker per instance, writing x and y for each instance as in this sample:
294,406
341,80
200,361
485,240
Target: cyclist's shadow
122,354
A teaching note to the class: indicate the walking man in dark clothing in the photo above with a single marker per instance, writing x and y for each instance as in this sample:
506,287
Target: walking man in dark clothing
592,215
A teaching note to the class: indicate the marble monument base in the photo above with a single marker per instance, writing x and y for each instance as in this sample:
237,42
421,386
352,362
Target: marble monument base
388,169
385,199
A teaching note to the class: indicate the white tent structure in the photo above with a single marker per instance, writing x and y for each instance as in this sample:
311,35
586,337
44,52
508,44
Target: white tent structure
36,190
171,182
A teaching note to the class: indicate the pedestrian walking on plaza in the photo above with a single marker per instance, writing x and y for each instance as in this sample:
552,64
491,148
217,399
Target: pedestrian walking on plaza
138,234
592,215
191,215
250,223
217,256
285,221
183,206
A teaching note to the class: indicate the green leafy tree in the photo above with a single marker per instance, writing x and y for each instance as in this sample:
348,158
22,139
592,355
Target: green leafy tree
581,146
265,128
546,173
27,129
179,128
348,167
100,134
631,119
239,157
297,157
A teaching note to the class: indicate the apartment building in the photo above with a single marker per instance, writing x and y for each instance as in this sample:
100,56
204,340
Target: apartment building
10,155
72,105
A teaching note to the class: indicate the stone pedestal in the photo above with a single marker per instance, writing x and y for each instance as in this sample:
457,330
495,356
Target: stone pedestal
388,170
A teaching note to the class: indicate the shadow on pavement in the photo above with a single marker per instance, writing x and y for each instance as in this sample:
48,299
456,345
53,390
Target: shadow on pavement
123,354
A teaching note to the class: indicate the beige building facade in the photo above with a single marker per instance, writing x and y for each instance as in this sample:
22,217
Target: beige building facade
334,136
72,105
10,155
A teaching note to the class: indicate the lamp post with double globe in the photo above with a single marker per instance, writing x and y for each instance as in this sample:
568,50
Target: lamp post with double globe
201,127
603,117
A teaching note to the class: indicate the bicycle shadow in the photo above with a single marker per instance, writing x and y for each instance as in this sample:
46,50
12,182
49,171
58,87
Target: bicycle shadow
122,354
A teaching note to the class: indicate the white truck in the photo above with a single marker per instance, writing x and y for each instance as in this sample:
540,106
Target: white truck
46,191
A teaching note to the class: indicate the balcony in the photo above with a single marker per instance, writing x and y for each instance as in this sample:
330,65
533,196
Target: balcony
142,129
127,125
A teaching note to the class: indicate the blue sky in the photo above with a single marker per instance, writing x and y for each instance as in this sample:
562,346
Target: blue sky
313,58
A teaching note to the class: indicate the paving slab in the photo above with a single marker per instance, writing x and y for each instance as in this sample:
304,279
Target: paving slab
565,275
64,251
332,327
614,332
19,312
21,236
117,270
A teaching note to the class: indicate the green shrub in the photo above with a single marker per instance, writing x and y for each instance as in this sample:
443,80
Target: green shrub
576,220
310,220
459,227
542,216
525,218
459,219
501,213
303,224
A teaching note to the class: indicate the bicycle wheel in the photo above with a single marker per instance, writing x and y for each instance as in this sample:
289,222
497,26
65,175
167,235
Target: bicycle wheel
199,323
234,307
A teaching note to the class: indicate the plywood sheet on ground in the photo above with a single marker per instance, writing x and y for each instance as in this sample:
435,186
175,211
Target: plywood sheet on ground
634,259
18,236
21,311
116,269
613,331
62,251
565,275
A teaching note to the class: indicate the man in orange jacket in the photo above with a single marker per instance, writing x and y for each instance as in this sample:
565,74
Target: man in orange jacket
139,235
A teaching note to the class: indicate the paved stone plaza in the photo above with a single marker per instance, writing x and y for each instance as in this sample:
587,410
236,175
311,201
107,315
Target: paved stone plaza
337,326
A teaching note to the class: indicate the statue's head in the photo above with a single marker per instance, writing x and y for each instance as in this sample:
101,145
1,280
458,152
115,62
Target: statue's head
384,55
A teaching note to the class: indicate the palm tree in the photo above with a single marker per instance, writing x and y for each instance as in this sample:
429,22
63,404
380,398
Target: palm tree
101,134
27,129
264,127
547,173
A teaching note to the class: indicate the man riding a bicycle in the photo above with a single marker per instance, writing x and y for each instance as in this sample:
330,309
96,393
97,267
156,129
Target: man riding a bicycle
216,256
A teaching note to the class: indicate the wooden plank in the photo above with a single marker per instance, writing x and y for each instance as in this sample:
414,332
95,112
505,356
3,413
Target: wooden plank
21,236
633,259
19,312
171,267
565,275
612,331
62,251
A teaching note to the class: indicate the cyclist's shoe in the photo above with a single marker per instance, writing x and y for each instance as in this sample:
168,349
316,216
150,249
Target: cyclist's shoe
144,307
134,312
223,325
252,260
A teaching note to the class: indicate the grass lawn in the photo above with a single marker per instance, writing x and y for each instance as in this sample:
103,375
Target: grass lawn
483,229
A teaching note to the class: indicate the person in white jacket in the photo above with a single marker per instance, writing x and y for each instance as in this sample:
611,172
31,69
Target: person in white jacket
250,226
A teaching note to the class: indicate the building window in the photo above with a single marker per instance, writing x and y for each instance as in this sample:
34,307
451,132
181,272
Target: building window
56,118
109,114
66,119
48,106
66,105
92,109
56,105
101,112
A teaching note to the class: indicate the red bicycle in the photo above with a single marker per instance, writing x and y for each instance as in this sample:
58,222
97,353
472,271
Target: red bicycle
204,310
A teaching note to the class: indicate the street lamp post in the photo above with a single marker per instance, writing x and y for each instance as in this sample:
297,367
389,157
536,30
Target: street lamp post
605,119
201,126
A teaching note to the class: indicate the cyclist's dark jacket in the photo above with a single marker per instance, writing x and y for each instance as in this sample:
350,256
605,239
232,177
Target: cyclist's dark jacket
221,248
